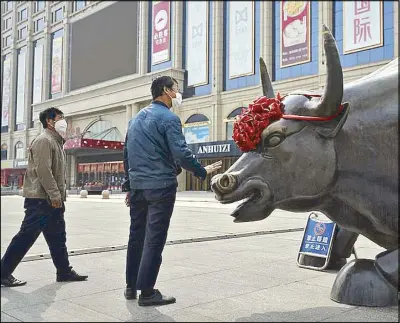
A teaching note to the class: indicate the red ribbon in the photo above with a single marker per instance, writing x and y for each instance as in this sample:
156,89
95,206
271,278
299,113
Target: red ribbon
252,121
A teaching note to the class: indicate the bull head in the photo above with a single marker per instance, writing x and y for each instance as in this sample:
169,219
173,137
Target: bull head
295,161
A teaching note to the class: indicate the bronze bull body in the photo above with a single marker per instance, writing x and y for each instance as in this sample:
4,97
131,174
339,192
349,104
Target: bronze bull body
346,168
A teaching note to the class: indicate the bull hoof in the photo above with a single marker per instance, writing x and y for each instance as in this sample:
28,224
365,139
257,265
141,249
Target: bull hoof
360,283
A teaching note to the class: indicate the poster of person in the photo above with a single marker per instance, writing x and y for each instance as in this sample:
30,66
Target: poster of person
56,65
241,38
37,75
197,42
362,25
20,105
161,32
5,100
295,33
197,132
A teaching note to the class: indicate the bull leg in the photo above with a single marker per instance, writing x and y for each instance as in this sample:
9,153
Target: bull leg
367,282
342,248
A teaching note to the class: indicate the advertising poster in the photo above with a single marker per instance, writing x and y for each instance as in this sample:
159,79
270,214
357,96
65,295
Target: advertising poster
161,32
56,65
197,132
362,25
20,112
5,100
197,42
295,33
37,75
241,38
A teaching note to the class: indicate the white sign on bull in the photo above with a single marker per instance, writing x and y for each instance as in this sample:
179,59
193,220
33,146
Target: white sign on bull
241,38
197,42
362,25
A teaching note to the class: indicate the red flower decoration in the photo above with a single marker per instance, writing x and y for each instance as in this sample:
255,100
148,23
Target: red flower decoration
252,121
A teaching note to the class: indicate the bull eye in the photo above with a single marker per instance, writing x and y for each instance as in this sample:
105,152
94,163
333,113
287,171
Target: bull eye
274,140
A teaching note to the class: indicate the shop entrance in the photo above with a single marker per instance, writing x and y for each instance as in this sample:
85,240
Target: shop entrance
195,184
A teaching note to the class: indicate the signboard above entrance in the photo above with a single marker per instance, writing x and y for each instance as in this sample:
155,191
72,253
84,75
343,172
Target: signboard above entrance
215,149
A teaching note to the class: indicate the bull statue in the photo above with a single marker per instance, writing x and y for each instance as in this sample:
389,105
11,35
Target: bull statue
337,155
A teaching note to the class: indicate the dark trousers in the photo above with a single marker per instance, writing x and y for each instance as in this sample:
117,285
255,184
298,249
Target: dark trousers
39,217
150,213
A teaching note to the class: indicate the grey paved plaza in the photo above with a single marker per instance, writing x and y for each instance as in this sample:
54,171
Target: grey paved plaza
246,276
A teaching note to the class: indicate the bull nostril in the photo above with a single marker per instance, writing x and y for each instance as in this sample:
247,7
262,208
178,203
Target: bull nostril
224,181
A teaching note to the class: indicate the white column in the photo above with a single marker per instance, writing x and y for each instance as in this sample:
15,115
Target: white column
29,73
143,37
46,55
217,132
72,170
135,109
325,16
177,32
66,49
13,89
396,28
128,116
266,35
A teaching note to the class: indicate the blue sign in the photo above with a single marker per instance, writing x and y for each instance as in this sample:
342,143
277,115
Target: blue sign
317,237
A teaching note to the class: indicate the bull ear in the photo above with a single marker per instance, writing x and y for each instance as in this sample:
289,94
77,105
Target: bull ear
335,125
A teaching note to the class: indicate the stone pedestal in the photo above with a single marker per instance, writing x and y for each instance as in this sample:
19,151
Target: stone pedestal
105,194
84,194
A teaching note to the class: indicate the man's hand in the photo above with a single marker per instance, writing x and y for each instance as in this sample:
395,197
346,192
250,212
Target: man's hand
57,204
128,199
213,167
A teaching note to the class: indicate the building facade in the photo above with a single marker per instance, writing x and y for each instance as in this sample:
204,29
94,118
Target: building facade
95,60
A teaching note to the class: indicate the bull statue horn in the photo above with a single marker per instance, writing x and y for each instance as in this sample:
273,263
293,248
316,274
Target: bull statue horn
333,92
268,90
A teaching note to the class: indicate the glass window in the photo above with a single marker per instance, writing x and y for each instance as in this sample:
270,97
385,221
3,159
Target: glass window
39,5
19,150
23,15
4,151
7,41
7,5
58,15
7,23
78,5
229,124
39,24
22,32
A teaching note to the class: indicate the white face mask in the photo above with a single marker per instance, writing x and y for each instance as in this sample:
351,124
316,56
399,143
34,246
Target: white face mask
61,127
177,101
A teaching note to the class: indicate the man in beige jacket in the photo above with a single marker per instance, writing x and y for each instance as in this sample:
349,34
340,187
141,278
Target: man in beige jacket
45,193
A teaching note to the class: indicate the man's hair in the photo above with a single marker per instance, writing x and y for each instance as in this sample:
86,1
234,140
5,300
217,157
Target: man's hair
161,82
49,113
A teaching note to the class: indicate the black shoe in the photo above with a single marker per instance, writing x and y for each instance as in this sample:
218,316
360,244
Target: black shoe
130,293
156,299
72,276
11,281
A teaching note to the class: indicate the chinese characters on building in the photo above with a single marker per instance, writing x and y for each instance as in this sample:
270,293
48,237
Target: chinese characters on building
362,25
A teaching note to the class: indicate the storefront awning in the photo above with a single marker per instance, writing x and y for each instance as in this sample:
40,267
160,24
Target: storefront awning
84,145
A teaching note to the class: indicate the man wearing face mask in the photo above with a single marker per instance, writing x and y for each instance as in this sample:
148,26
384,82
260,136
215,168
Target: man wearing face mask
155,150
45,193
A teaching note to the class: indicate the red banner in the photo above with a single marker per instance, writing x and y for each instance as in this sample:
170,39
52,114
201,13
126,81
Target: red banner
107,167
121,167
295,33
161,32
86,168
93,168
114,167
80,168
100,167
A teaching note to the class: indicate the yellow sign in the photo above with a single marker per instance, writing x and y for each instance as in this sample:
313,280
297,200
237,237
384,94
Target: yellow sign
7,164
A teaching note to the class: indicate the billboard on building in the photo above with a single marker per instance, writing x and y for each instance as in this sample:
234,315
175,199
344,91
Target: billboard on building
104,44
197,42
5,99
295,33
241,38
56,65
161,29
37,74
197,132
362,25
20,105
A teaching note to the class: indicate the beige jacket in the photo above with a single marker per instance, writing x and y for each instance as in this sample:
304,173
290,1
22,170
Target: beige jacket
45,175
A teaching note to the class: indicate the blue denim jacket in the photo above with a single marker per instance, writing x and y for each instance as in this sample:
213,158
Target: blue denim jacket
155,149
